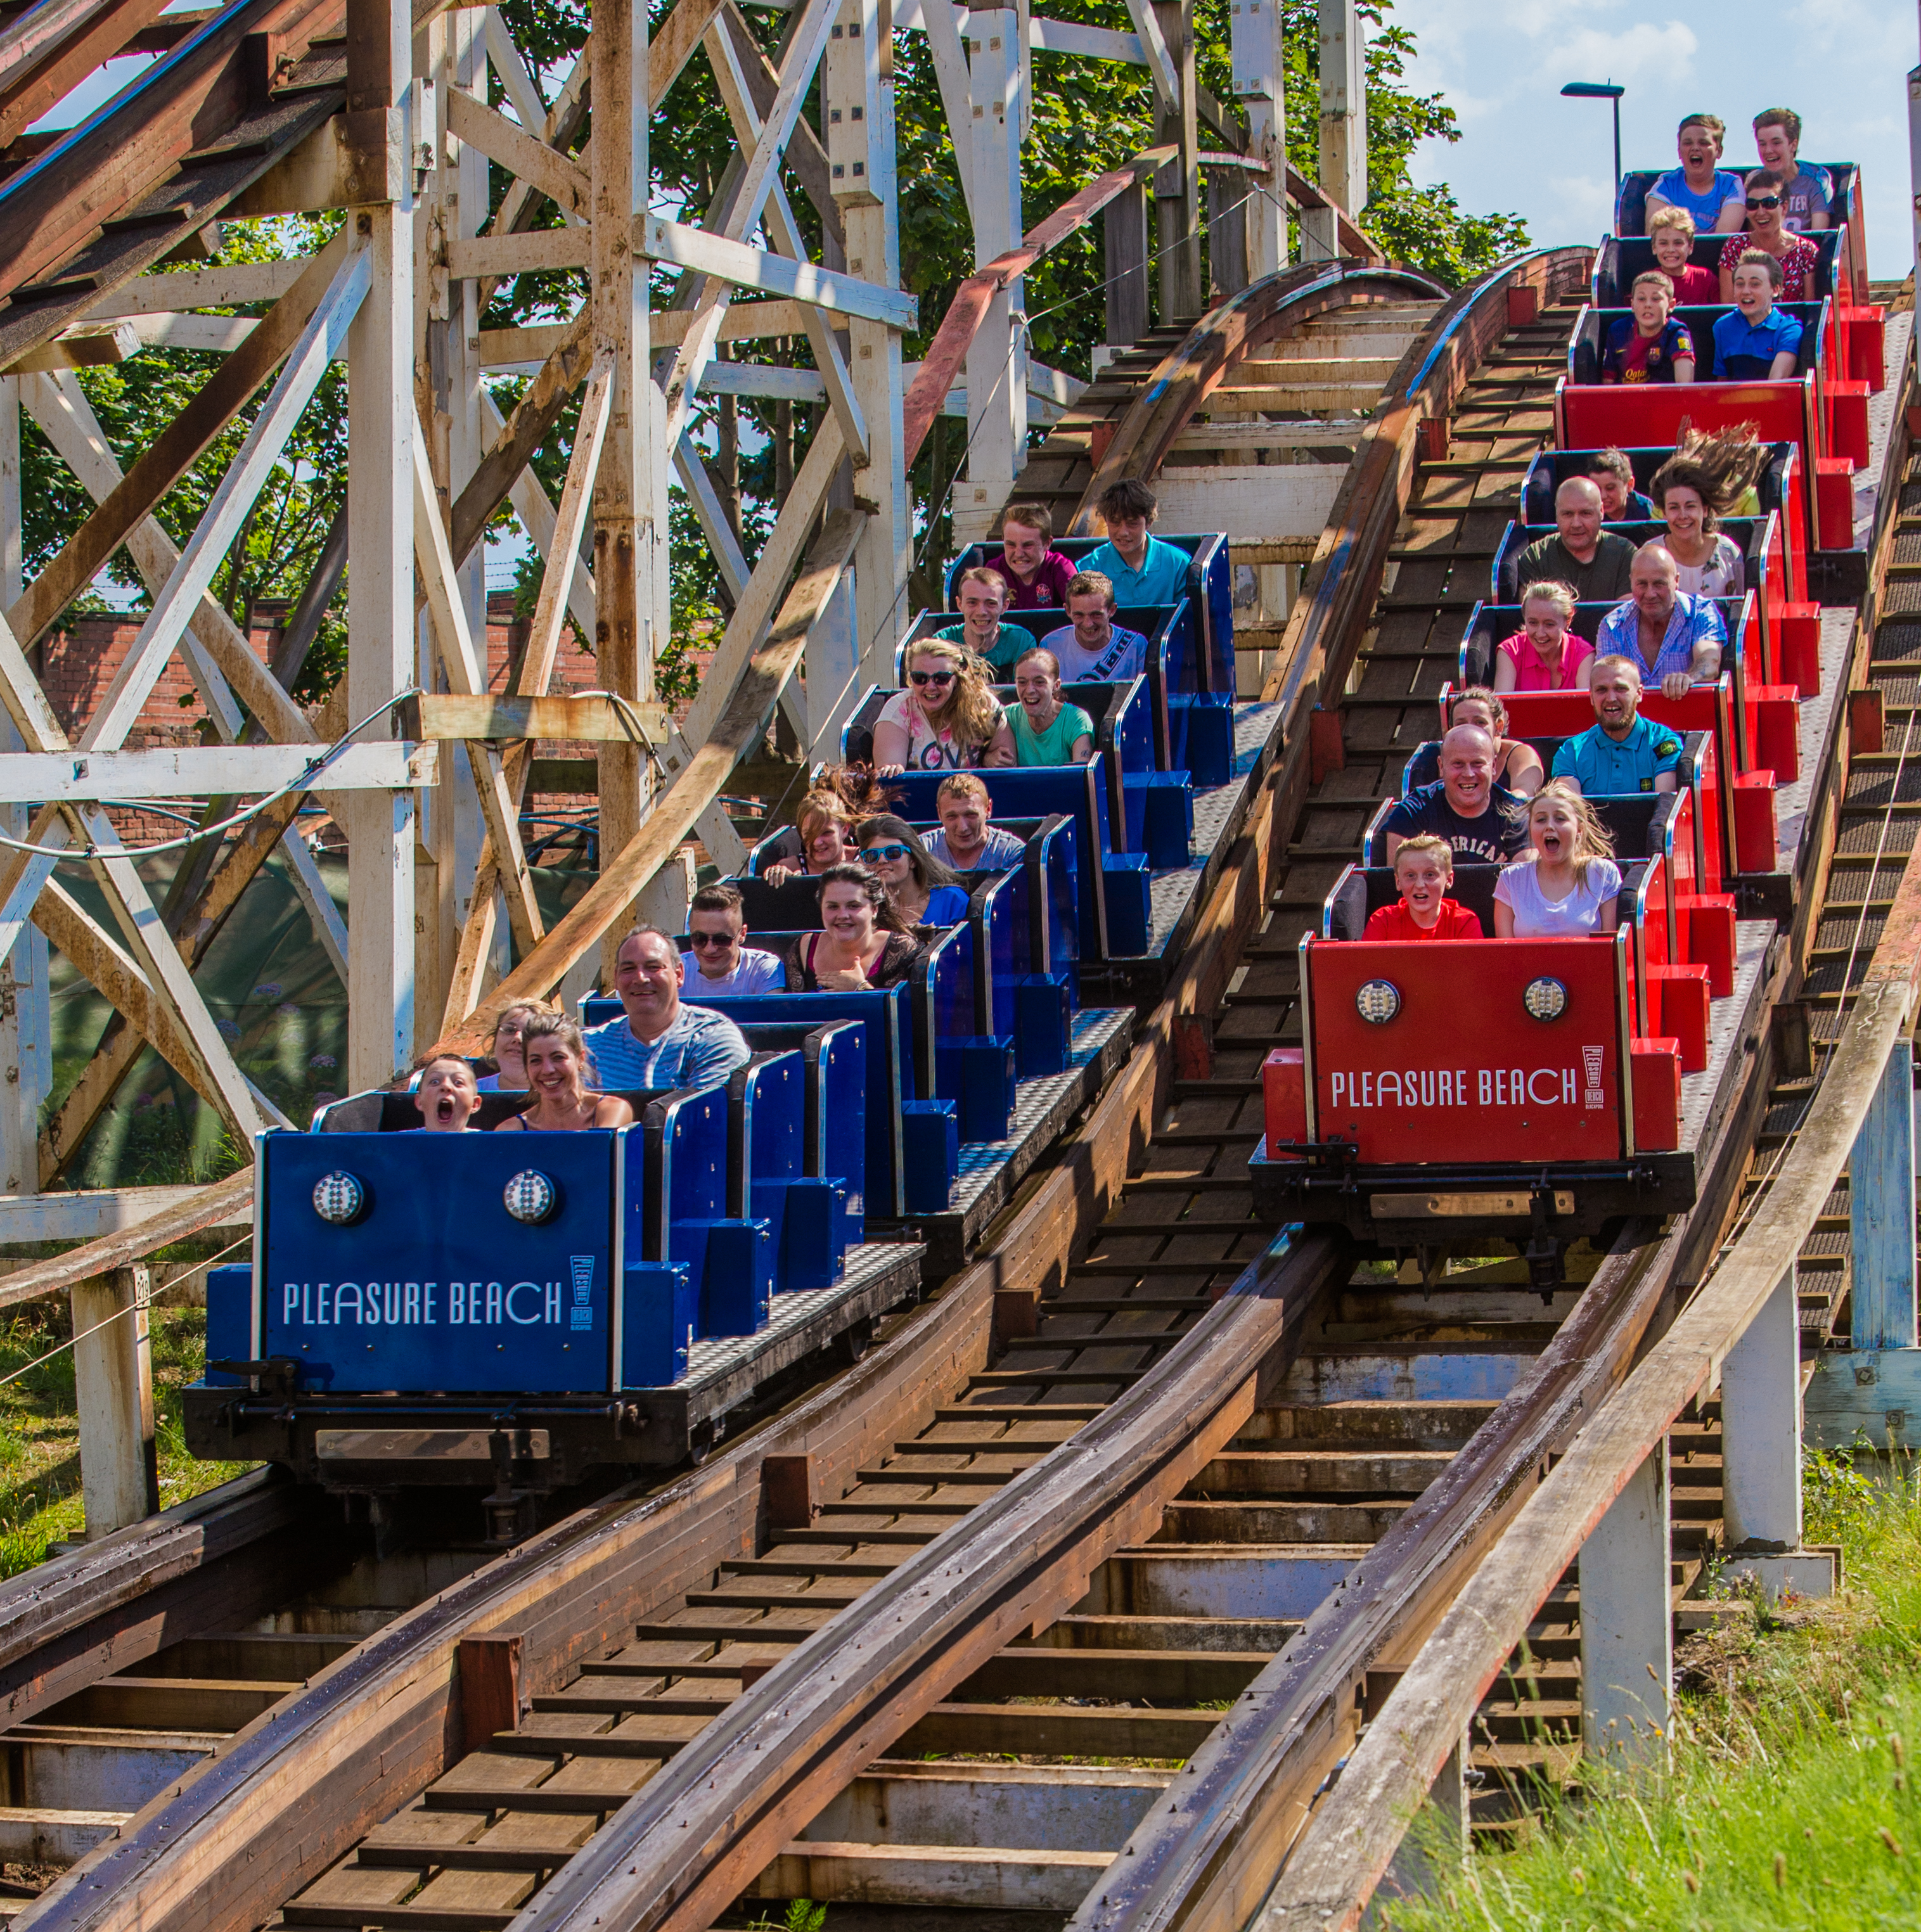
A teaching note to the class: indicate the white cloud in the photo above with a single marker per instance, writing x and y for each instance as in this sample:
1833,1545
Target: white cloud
1665,52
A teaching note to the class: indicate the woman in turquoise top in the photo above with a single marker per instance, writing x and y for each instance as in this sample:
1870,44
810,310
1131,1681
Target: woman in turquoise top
983,596
1047,732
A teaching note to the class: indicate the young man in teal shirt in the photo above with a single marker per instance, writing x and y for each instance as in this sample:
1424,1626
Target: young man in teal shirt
1625,753
1143,569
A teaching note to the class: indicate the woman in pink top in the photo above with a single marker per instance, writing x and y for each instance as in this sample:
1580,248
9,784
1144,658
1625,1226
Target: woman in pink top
1543,654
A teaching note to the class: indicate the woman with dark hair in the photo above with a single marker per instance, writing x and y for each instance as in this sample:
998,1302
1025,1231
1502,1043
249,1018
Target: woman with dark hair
922,889
559,1068
862,943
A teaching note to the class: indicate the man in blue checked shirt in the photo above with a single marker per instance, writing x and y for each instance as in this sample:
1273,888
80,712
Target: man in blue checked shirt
659,1041
1625,752
1671,637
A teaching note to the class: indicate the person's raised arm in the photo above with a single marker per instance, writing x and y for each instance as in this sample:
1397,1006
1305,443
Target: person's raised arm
891,745
1732,219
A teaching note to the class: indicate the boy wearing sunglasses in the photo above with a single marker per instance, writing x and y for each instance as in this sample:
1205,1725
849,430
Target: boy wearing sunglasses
1799,257
716,926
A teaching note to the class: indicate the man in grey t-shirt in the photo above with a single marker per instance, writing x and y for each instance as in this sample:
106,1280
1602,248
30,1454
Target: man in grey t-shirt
1595,562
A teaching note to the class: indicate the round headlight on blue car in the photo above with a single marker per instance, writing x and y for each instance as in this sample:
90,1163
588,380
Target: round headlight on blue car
531,1197
1545,999
339,1199
1378,1002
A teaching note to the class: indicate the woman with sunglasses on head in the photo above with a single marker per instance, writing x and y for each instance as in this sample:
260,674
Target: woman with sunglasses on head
946,720
559,1068
1799,257
825,823
862,942
919,888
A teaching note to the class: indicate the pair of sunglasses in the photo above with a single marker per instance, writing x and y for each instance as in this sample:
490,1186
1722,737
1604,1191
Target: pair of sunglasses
1763,201
701,941
930,677
883,855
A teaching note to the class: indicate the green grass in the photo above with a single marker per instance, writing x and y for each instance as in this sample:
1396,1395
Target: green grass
40,1462
1792,1797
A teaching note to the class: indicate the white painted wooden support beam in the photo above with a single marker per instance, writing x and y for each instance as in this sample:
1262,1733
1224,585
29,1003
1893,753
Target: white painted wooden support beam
206,549
381,625
199,772
1260,86
688,247
156,955
85,1214
744,322
942,25
570,523
1760,1426
468,675
1881,1211
213,644
85,345
1627,1625
224,285
1159,61
562,179
522,89
114,1392
491,715
831,380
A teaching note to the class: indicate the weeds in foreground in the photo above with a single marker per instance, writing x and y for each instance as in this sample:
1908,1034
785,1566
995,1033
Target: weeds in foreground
1790,1798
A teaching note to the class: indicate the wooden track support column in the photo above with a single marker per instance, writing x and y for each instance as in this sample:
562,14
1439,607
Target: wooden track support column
857,90
630,496
997,357
113,1384
1177,186
1343,128
1260,86
1627,1626
1124,235
380,619
1415,1873
1881,1211
25,1016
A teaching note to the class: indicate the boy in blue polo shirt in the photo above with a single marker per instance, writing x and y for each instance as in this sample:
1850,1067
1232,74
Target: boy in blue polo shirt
1625,752
1143,569
1755,343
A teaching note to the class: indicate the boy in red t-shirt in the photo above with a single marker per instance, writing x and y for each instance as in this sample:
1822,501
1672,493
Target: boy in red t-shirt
1036,573
1423,870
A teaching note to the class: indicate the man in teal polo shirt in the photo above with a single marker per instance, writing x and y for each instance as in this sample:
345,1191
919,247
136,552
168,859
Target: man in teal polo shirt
1143,569
1625,752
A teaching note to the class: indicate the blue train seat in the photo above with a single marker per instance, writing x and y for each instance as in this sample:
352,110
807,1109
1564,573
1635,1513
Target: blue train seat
1210,594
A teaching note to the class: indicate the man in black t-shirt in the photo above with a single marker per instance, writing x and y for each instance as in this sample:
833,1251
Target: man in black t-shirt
1484,823
1594,562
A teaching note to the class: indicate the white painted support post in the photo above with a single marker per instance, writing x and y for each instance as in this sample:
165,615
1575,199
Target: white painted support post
997,361
1627,1624
113,1381
447,349
630,496
1177,184
857,89
1260,86
26,1023
1413,1873
1880,1192
1344,128
380,622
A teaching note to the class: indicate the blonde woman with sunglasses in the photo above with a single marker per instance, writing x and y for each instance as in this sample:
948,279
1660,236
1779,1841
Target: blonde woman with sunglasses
946,720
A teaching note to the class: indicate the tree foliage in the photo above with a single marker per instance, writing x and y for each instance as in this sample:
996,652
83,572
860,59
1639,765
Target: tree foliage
1087,118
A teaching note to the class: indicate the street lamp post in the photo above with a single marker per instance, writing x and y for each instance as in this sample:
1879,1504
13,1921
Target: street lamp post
1603,90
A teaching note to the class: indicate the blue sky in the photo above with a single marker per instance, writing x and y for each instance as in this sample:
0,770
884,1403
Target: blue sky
1840,64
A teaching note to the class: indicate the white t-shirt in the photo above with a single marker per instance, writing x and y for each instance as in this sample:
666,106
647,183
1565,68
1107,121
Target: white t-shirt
928,750
1724,574
758,972
1124,656
1537,917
